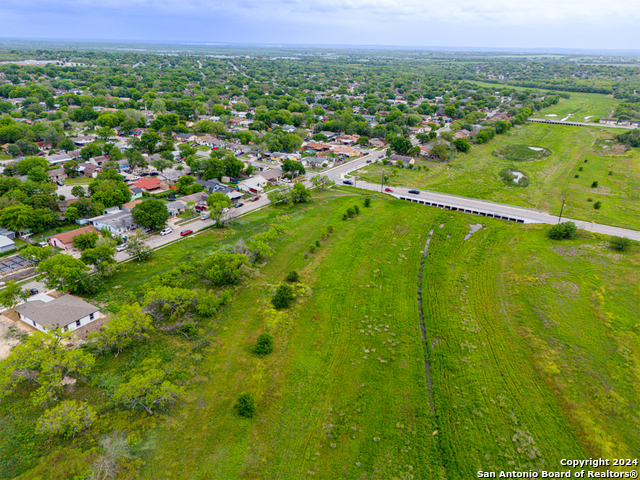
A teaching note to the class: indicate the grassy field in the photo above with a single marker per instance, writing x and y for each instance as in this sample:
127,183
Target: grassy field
581,107
477,174
532,350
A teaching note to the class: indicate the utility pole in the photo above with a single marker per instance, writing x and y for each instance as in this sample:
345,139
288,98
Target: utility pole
561,209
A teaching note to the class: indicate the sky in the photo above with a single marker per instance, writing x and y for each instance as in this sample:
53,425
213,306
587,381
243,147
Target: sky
586,24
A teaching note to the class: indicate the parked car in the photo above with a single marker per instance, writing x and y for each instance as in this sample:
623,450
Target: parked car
415,192
33,291
184,233
368,161
154,174
388,190
166,231
172,198
134,178
201,208
204,217
347,182
122,247
255,199
60,184
239,204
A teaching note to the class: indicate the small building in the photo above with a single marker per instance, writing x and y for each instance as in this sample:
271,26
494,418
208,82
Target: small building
171,177
175,208
403,160
117,223
127,207
609,121
88,170
136,193
58,158
253,185
6,244
66,312
57,174
65,240
199,198
272,175
148,184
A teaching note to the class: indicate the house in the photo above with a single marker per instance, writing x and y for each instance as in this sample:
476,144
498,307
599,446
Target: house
123,164
346,151
211,186
253,185
57,174
83,140
175,208
66,312
127,207
234,196
376,142
64,204
172,176
148,184
65,240
347,139
401,159
186,137
316,147
117,223
272,175
318,162
99,160
199,198
136,193
57,159
88,170
6,244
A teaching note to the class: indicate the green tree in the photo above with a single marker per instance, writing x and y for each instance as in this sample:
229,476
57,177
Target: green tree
66,419
264,344
218,207
620,243
152,213
281,194
149,140
17,217
78,191
564,230
109,192
105,133
103,258
161,164
321,182
245,406
71,168
462,145
130,325
222,269
138,248
62,272
86,240
283,297
12,295
148,390
37,253
401,145
300,193
45,360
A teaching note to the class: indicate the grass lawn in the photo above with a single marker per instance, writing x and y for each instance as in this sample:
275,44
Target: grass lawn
582,107
78,181
552,178
531,345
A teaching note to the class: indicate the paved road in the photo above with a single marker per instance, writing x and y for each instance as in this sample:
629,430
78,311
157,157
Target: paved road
570,122
472,205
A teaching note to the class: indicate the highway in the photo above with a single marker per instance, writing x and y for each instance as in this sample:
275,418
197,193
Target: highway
470,205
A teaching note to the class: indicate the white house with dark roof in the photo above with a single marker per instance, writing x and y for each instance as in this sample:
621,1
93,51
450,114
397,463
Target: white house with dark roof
66,312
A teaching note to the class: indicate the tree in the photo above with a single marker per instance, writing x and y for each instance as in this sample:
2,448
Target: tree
46,360
462,145
85,240
281,194
158,106
264,344
148,390
12,295
17,217
62,272
137,247
152,213
71,168
300,193
222,269
440,151
218,207
292,276
66,419
400,145
594,184
37,253
128,326
136,160
564,230
78,191
149,140
102,257
245,406
283,297
105,133
321,182
110,192
161,164
295,168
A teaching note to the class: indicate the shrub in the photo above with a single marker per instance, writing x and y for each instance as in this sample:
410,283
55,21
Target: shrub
356,209
580,169
597,205
565,230
292,276
245,406
344,216
610,172
312,248
589,199
594,184
330,229
576,176
264,344
350,212
367,202
284,296
620,243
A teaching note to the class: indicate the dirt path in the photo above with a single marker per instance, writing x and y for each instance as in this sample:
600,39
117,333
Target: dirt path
10,335
427,363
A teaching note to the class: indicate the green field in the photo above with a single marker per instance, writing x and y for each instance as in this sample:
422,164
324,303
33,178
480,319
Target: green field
532,349
581,107
477,174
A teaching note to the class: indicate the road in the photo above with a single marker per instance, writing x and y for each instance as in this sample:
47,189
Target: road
579,124
471,205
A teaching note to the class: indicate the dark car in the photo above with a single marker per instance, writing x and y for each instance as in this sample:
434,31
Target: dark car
60,184
154,174
415,192
347,182
172,198
33,291
239,204
184,233
368,161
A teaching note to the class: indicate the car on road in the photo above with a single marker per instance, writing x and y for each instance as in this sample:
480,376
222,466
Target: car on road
347,182
166,231
122,247
184,233
239,204
415,192
388,190
368,161
255,199
204,217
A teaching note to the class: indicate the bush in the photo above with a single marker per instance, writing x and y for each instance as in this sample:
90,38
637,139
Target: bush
565,230
597,205
245,406
284,296
580,169
350,212
356,209
610,172
292,276
317,243
620,243
264,344
330,229
594,184
344,216
312,248
576,176
367,202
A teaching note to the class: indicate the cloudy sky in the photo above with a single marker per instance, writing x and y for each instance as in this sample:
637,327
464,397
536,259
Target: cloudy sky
590,24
